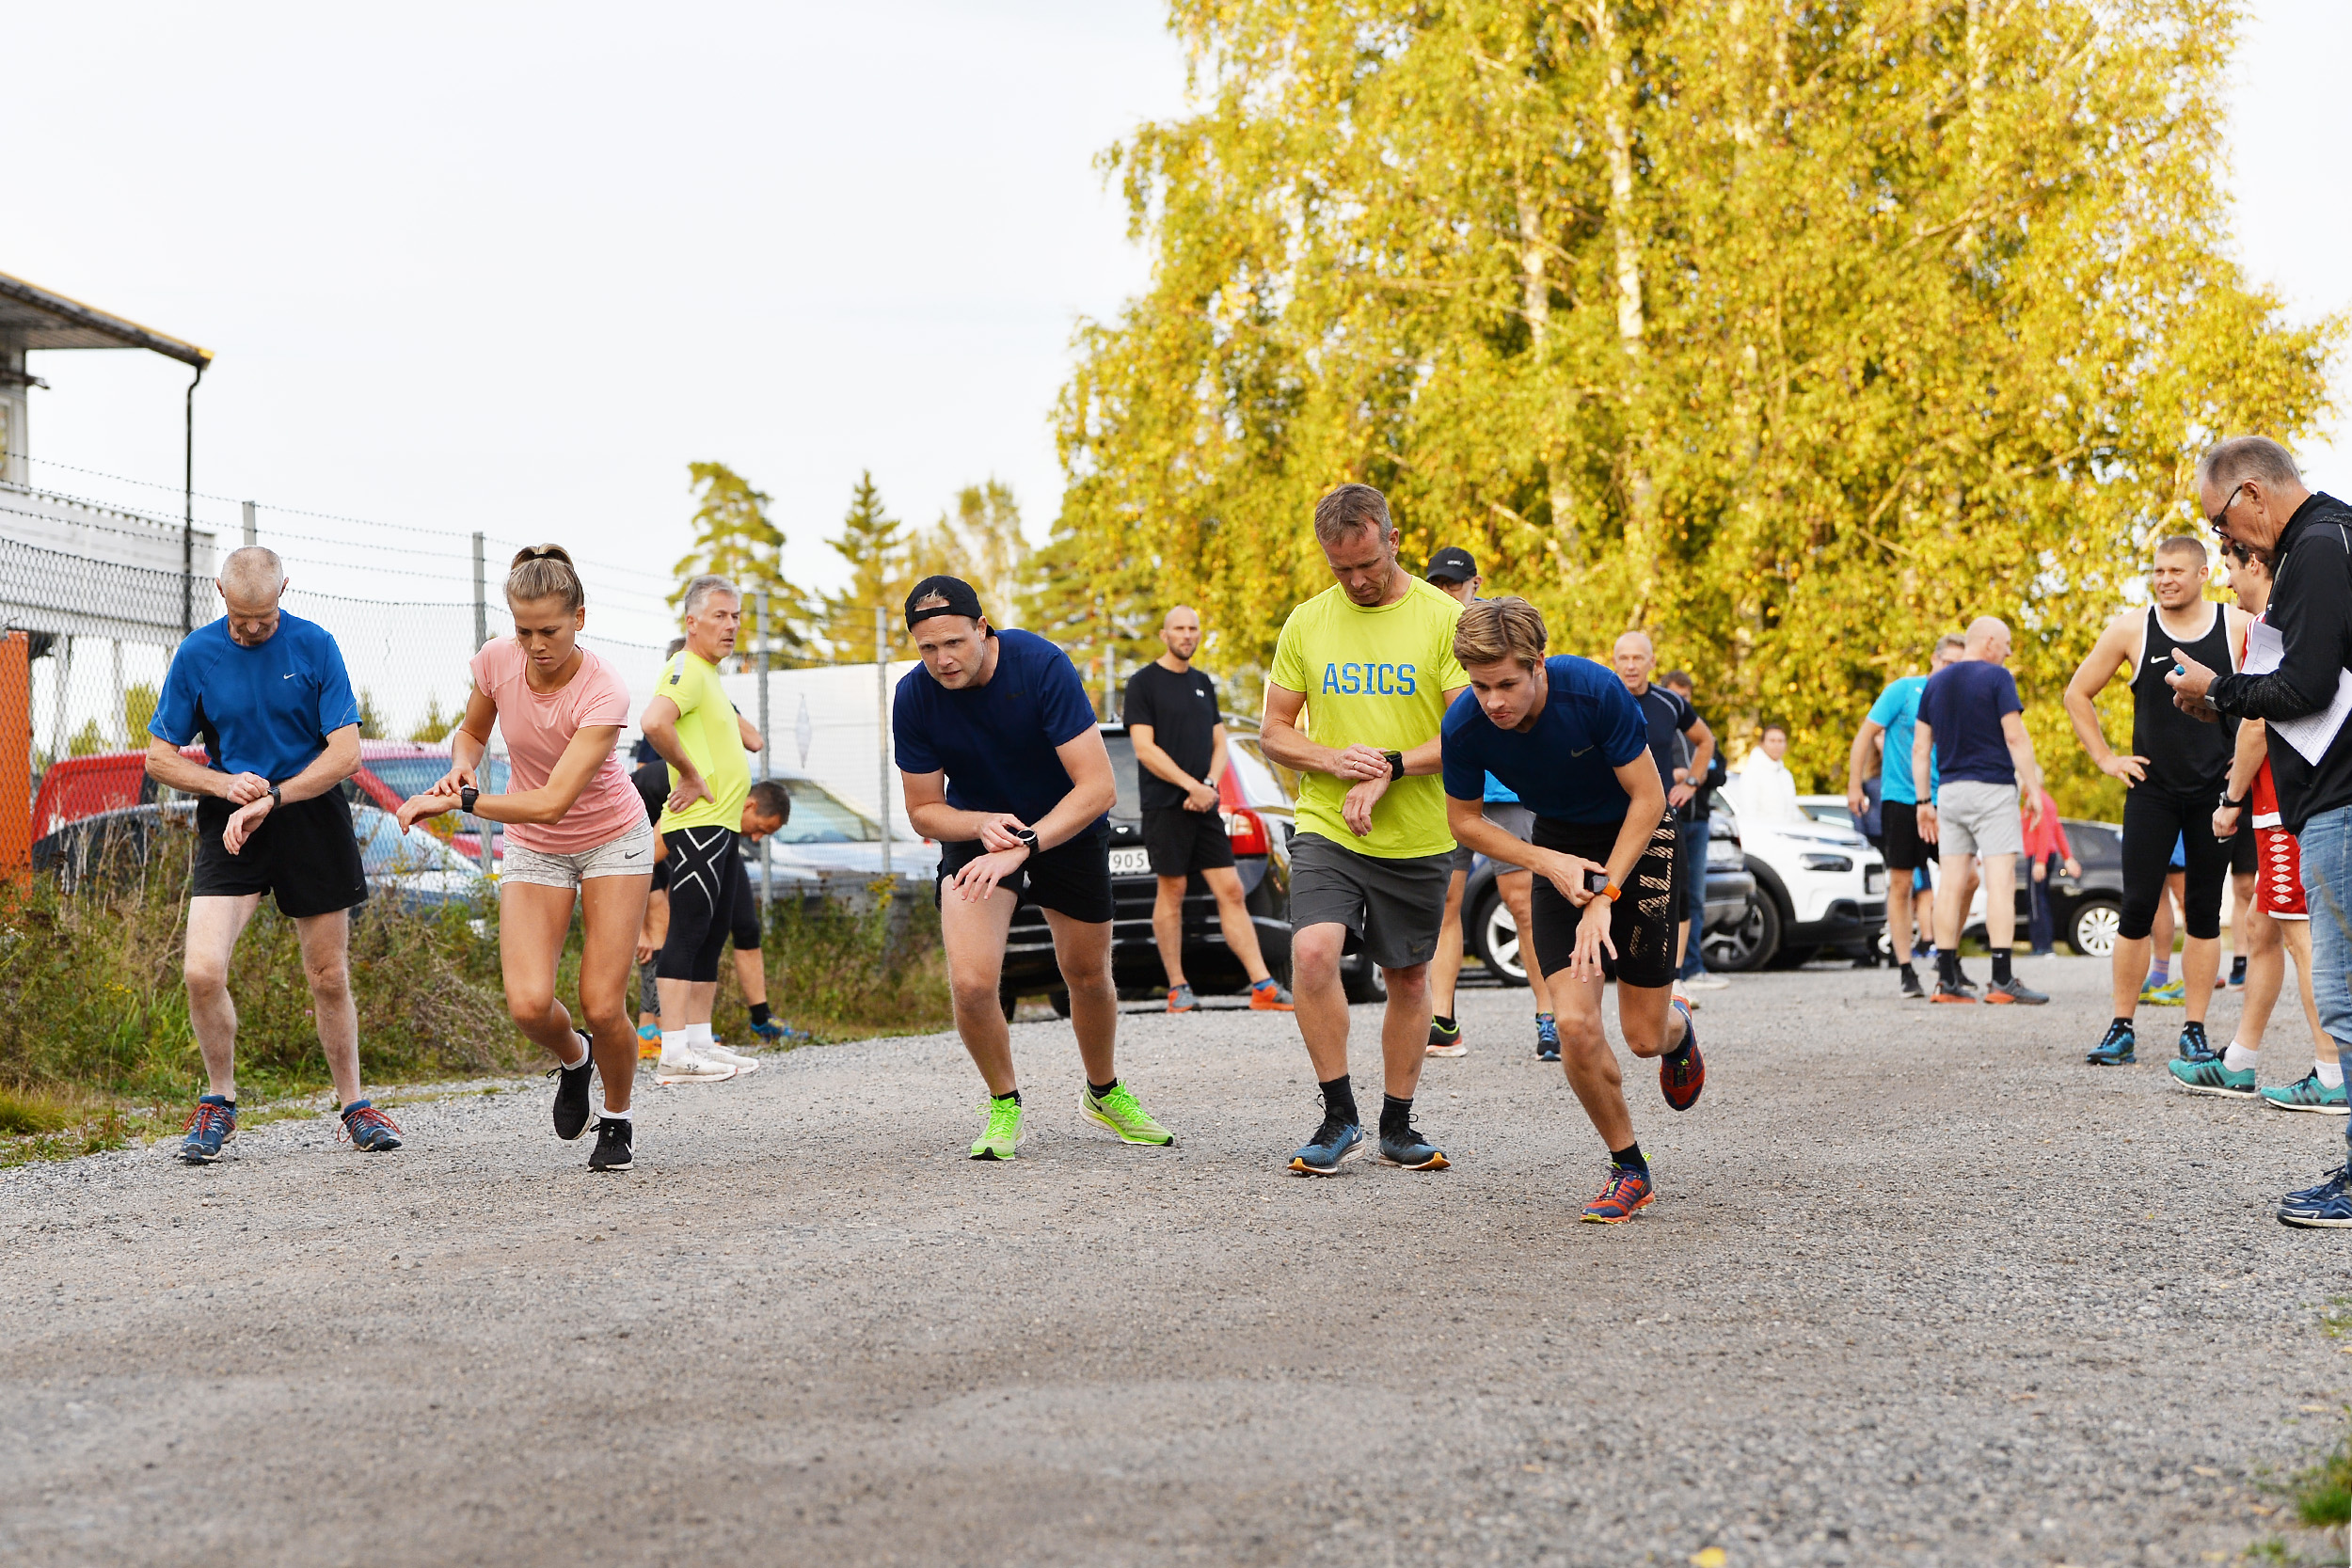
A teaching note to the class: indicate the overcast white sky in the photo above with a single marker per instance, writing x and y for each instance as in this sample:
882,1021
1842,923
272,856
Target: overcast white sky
513,267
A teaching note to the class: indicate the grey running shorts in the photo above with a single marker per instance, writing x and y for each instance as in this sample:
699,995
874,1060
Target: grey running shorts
1395,906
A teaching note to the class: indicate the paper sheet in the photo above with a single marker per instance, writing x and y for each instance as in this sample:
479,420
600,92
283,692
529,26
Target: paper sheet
2311,734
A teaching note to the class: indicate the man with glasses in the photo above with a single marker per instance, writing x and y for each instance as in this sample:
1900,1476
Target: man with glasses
2172,779
2301,686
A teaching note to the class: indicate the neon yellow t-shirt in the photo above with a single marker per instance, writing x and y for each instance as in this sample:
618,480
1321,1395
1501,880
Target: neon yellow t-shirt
707,728
1373,677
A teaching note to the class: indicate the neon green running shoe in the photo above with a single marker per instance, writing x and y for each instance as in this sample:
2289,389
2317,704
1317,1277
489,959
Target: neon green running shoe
1120,1111
1001,1138
2172,994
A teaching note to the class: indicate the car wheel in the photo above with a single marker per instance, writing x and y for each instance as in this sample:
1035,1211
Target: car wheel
1494,934
1362,980
2096,927
1011,1002
1752,941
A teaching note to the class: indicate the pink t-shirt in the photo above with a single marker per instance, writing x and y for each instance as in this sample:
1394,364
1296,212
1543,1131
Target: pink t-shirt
538,727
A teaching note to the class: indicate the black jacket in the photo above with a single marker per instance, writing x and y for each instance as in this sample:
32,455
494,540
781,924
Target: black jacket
2311,609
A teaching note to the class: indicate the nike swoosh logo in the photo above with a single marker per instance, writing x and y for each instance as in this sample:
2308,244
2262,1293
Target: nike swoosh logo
2159,658
287,676
631,854
1572,752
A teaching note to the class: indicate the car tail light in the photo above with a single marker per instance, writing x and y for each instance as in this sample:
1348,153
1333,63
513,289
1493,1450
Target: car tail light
1246,830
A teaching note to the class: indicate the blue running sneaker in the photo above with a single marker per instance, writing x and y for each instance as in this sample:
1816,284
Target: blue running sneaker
2117,1048
2172,994
2325,1207
2307,1093
1408,1149
370,1131
2194,1046
1547,1037
1682,1071
2209,1077
1335,1143
213,1123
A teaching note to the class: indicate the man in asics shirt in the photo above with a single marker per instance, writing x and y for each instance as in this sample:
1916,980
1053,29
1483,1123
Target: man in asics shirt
1362,672
1001,762
1570,740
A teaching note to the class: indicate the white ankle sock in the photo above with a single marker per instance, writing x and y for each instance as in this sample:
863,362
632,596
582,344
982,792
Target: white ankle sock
698,1037
584,1051
673,1041
2237,1058
2331,1073
618,1115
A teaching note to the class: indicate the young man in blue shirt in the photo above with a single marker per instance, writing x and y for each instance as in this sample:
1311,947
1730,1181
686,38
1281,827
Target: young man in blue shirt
1002,763
267,695
1569,738
1893,715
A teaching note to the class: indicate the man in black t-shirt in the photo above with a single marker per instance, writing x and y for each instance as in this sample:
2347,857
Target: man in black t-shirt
1678,739
1179,737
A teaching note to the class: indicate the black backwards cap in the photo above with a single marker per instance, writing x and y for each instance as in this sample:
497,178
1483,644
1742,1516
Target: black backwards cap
959,594
1451,564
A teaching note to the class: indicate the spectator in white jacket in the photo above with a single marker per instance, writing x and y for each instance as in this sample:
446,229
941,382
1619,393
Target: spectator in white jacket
1764,791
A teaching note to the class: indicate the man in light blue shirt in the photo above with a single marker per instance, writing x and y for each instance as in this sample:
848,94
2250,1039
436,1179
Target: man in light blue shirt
1893,716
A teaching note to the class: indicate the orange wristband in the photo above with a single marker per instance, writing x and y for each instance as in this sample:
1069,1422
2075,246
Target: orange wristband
1613,892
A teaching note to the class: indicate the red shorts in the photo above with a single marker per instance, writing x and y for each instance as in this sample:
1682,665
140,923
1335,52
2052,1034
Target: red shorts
2279,875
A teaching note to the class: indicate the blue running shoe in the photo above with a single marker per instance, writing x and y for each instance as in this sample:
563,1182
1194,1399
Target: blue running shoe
2307,1093
1547,1037
213,1123
2117,1048
2194,1046
1682,1071
2209,1077
370,1131
1408,1149
2325,1207
2172,994
773,1033
1335,1143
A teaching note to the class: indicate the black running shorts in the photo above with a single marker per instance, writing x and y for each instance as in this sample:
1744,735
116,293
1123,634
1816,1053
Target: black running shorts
1072,879
2243,860
1649,907
305,851
1182,842
1898,826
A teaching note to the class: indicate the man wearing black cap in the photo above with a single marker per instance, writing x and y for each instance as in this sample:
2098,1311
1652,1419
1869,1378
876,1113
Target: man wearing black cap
1453,569
1002,763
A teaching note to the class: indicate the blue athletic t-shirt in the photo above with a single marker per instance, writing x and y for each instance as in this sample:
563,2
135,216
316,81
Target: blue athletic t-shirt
995,742
1897,712
1963,703
265,710
1564,765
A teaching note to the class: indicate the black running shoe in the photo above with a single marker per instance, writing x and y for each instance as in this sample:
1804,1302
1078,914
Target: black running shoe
571,1095
1913,991
613,1136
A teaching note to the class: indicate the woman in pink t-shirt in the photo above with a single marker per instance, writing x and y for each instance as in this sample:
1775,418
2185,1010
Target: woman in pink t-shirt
575,828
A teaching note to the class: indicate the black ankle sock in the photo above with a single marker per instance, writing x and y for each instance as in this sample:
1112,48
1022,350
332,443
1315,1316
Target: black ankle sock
1102,1090
1906,967
759,1012
1014,1096
1395,1114
1630,1157
2124,1024
2000,969
1339,1099
1442,1023
1948,966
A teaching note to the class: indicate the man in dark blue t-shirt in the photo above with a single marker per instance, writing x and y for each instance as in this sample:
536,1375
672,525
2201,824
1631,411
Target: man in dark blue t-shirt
1971,728
268,695
1002,763
1567,737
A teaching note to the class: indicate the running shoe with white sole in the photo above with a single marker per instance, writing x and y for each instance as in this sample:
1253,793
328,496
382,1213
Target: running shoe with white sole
1125,1115
2325,1207
213,1123
615,1138
1706,979
1446,1039
370,1131
1335,1143
571,1092
1001,1138
1626,1191
2307,1093
2211,1077
743,1064
1913,991
684,1066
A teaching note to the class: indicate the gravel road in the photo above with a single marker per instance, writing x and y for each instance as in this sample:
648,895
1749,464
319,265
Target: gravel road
1919,1288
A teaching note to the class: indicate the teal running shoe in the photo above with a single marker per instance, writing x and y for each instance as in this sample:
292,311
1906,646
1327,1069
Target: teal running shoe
2209,1077
1335,1143
2309,1093
1001,1138
2117,1048
1120,1111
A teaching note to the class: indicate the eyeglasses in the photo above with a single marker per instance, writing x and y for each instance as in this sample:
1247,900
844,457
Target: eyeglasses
2245,555
2215,521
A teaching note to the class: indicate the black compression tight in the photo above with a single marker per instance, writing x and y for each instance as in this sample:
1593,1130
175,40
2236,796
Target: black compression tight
2153,819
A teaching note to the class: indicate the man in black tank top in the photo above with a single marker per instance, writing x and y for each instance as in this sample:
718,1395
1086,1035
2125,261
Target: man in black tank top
2172,779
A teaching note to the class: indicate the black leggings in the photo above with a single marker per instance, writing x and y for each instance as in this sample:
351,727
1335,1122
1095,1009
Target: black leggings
2153,819
704,873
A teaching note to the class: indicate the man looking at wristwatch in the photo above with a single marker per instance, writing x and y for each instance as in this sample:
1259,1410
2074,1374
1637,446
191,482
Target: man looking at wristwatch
1363,673
1001,762
1569,739
268,695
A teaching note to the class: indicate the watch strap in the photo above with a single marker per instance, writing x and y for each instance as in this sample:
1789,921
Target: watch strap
467,795
1613,892
1396,765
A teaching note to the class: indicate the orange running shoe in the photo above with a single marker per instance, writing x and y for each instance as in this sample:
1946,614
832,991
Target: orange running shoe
1180,1000
1270,995
1628,1192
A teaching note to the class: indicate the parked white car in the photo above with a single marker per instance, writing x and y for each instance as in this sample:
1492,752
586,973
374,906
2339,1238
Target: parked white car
1817,885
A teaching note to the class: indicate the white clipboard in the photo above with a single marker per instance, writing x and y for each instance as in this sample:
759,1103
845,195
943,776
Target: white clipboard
2311,734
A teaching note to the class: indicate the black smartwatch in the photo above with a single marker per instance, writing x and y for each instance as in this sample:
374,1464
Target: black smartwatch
1027,837
2228,804
276,800
467,795
1396,765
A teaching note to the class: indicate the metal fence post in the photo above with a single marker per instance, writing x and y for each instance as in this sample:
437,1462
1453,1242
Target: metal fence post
767,751
882,713
253,529
481,597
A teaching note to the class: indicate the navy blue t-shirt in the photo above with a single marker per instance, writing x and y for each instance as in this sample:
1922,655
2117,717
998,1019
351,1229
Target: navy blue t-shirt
1562,766
1963,703
265,710
995,742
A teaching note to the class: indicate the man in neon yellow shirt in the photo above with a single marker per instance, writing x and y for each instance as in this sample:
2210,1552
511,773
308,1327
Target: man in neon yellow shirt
1362,674
692,723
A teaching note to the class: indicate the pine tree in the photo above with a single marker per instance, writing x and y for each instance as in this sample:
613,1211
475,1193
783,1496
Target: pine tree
881,553
735,539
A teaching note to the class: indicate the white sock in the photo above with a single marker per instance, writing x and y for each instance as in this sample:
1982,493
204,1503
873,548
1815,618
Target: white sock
698,1037
584,1051
674,1042
2331,1073
617,1115
2237,1058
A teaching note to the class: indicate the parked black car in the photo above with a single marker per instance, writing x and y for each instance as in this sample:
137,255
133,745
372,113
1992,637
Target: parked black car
1257,817
1491,935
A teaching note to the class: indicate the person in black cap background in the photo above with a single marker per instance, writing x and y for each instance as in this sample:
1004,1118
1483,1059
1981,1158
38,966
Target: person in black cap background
1002,763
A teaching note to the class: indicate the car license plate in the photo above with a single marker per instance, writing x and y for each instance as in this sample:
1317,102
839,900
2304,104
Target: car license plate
1874,879
1130,862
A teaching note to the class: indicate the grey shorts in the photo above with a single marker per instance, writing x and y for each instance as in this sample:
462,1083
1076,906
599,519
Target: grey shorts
1395,906
1974,818
1512,818
629,855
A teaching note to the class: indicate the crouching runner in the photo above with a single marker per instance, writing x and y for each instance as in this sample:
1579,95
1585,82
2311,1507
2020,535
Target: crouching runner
1565,736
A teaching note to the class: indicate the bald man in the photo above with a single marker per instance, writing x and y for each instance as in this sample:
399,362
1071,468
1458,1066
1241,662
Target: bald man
1678,739
1179,736
1971,726
267,695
